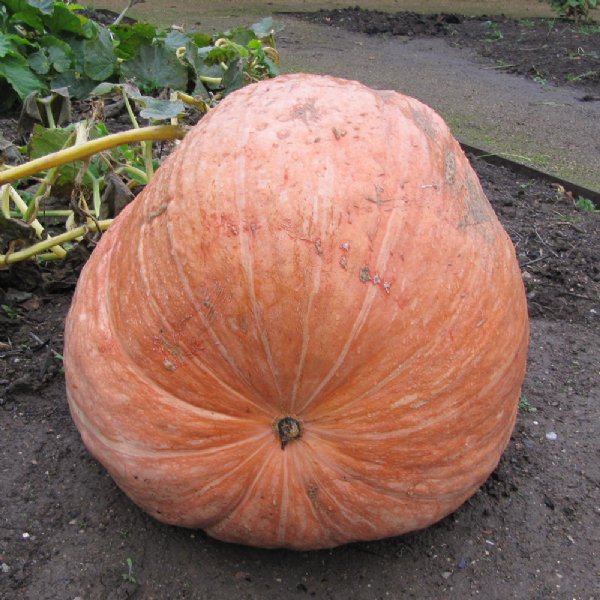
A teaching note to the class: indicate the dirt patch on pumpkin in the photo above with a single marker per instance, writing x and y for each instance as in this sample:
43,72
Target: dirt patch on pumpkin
530,532
549,51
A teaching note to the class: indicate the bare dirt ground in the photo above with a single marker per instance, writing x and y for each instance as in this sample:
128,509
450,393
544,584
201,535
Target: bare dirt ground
531,532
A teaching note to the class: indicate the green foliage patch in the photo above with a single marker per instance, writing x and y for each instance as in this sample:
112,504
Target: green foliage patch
45,45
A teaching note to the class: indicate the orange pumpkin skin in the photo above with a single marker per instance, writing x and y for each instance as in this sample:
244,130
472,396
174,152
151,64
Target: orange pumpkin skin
318,250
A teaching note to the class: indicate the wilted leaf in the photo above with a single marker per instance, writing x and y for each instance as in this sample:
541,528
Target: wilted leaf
115,198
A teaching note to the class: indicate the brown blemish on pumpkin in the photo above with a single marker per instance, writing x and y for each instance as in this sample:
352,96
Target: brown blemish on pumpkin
339,133
312,491
319,246
306,111
378,196
156,213
168,365
365,274
450,167
423,122
343,262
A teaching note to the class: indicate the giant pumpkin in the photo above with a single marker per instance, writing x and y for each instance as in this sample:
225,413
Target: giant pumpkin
309,329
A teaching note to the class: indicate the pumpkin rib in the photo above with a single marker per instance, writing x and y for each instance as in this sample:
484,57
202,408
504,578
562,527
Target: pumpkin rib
166,325
370,295
243,502
486,444
134,449
305,335
229,475
336,522
245,254
426,352
458,382
256,403
147,376
215,338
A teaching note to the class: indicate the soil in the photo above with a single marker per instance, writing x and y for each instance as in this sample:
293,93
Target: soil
549,51
531,532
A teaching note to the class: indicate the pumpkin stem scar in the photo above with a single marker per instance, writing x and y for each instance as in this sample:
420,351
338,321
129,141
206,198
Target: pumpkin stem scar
288,429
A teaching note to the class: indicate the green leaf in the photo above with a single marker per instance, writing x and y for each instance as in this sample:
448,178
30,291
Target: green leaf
266,27
202,39
158,110
271,66
176,39
45,141
18,74
197,59
6,46
44,6
29,17
59,59
200,90
78,84
106,87
131,37
39,61
62,19
241,36
99,57
156,67
234,77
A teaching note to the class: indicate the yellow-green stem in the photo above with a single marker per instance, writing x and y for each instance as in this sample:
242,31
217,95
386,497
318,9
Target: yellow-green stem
45,213
146,147
5,201
133,171
97,200
37,226
156,132
50,115
48,244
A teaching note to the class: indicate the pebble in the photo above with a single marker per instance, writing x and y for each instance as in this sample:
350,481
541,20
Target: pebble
4,567
462,564
446,574
528,443
551,435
